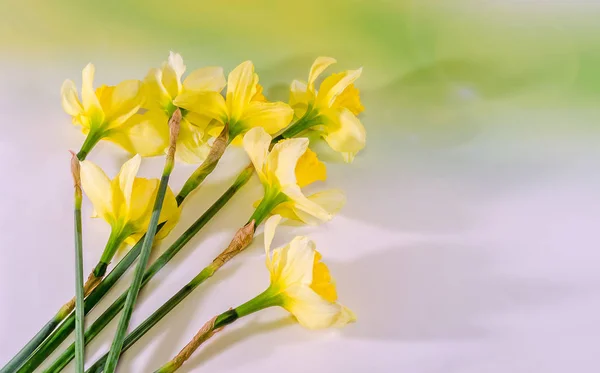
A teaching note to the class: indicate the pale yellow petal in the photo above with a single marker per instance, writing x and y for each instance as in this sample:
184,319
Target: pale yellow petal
282,160
96,186
91,104
292,264
310,169
345,133
312,311
144,134
272,116
256,143
334,85
125,101
307,211
175,61
344,317
70,99
317,68
205,79
331,200
241,86
126,178
270,228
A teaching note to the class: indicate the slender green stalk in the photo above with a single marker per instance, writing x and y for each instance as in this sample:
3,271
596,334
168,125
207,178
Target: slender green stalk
260,302
308,120
136,284
79,316
241,240
116,307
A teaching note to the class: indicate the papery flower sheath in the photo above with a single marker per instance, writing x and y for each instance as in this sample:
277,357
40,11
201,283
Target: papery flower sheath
289,166
103,113
243,107
126,201
333,108
163,86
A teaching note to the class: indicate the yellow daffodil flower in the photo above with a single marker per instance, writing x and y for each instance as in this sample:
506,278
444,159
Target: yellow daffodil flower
332,109
126,203
243,107
163,87
289,166
300,282
102,113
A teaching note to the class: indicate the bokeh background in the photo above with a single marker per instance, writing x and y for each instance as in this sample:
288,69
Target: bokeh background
468,243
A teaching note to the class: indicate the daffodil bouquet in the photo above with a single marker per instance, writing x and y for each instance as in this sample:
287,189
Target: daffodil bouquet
190,119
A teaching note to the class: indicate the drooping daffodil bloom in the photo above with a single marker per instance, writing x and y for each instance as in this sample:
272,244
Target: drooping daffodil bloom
103,113
243,106
289,166
163,86
300,282
332,109
126,203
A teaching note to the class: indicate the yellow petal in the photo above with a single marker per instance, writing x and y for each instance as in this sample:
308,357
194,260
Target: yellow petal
241,86
258,94
344,317
70,99
310,169
272,116
141,202
91,104
175,61
170,81
144,134
294,264
317,68
125,101
345,133
191,143
307,211
299,98
205,79
97,187
157,97
331,200
126,178
207,103
311,311
322,282
170,214
256,143
270,228
334,85
281,162
349,99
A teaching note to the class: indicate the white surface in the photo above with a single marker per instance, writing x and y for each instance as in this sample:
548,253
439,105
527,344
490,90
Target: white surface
474,256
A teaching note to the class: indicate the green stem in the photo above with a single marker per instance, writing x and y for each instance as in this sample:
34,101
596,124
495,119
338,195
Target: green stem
116,307
115,240
79,295
91,140
272,198
309,119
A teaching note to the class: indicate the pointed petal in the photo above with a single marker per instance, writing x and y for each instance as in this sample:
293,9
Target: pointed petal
317,68
331,200
171,81
88,95
157,97
311,311
126,177
208,103
272,116
270,228
299,98
70,99
169,214
97,187
281,162
345,133
256,143
205,79
191,143
241,86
